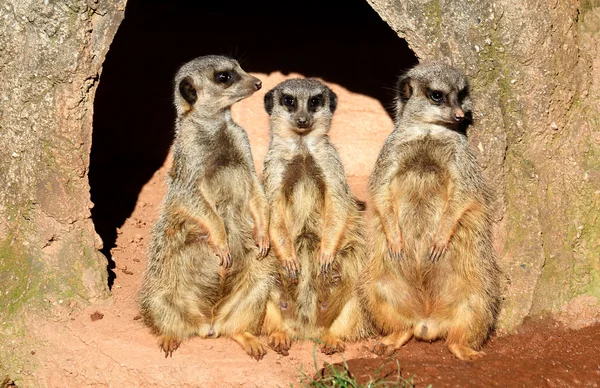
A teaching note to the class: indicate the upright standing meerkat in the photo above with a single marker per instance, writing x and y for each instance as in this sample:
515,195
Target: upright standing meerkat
315,228
208,272
432,271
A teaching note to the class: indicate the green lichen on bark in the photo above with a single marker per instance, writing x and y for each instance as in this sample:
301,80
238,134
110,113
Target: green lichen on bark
15,272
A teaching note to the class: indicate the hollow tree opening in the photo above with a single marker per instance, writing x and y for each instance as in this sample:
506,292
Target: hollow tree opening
341,41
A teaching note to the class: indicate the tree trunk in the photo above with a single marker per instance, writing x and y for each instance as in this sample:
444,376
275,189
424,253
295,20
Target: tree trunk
51,53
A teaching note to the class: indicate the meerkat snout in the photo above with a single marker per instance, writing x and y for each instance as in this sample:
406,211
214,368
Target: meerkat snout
302,105
459,115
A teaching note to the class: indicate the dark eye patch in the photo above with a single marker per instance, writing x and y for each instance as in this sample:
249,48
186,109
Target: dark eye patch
436,96
463,93
315,102
227,77
289,102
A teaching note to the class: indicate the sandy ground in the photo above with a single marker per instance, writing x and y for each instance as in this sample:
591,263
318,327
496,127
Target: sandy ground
106,344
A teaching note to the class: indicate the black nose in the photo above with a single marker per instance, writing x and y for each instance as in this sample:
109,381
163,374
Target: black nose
258,85
302,123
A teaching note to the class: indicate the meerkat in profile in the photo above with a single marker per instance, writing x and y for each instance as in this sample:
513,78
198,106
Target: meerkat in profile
208,271
315,229
432,271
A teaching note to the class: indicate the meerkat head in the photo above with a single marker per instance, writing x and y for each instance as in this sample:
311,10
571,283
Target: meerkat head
210,84
301,107
435,94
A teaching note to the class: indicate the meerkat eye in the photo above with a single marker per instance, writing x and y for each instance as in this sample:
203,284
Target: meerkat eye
224,77
436,96
462,94
315,102
288,101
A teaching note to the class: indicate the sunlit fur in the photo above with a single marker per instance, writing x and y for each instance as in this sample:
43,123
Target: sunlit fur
431,272
316,229
206,273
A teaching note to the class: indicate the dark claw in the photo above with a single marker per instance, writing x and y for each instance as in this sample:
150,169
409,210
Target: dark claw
436,254
395,255
263,251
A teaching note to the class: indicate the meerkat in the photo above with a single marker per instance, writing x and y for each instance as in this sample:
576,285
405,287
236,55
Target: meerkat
431,271
209,273
316,229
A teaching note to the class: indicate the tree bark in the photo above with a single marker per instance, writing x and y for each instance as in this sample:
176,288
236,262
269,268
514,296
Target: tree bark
51,54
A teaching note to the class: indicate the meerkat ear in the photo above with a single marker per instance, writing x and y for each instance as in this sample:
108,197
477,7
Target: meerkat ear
269,102
187,90
332,101
405,90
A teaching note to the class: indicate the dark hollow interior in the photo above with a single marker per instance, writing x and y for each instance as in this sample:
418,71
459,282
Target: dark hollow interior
341,41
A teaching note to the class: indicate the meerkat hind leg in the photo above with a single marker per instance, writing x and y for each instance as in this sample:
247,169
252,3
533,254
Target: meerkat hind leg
250,344
468,329
346,325
279,340
331,344
465,353
391,343
458,344
168,344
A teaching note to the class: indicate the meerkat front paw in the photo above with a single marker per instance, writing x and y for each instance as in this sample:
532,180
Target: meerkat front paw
263,243
224,255
292,268
395,249
438,249
326,260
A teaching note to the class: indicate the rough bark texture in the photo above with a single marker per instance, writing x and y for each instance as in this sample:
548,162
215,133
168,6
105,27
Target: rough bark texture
51,53
536,134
